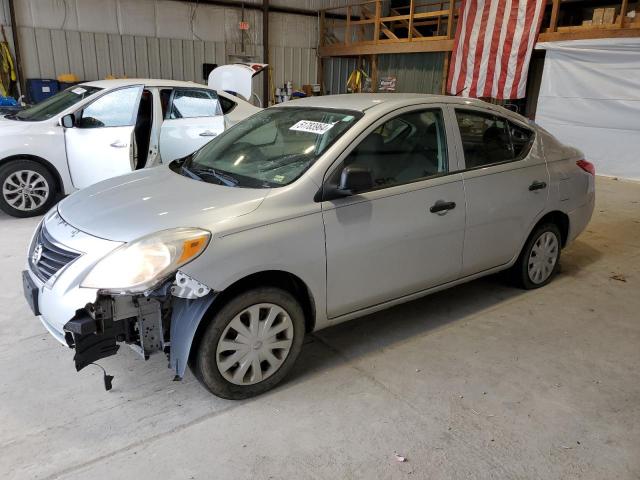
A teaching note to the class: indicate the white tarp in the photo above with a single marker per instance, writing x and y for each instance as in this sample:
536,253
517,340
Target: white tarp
590,98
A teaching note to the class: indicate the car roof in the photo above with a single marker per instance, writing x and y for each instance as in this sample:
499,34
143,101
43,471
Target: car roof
385,102
149,82
364,101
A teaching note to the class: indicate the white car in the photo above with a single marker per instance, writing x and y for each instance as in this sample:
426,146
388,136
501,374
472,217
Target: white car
98,130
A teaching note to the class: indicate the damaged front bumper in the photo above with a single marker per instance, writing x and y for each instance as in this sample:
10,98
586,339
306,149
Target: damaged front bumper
163,320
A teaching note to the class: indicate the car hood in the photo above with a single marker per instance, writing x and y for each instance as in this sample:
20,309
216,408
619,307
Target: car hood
130,206
11,127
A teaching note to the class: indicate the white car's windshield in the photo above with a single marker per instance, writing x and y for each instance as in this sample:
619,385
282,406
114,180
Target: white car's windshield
270,149
52,106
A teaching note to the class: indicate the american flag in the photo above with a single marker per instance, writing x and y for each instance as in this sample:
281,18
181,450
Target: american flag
493,45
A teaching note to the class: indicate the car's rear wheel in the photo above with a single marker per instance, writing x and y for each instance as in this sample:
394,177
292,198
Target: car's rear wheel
28,188
540,258
251,343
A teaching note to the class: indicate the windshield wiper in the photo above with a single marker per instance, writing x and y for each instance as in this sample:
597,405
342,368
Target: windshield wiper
226,179
190,173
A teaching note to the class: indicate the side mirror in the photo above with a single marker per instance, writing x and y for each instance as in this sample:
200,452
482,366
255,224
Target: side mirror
354,180
68,121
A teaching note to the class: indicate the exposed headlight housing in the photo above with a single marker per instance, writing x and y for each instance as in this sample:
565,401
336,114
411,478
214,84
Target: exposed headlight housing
139,265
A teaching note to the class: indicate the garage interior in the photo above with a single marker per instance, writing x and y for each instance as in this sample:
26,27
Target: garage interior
482,380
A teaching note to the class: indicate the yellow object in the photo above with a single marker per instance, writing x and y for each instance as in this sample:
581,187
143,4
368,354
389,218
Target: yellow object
193,247
68,78
355,80
7,71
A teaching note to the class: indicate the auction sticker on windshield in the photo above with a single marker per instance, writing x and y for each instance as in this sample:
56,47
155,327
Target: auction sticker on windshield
318,128
78,90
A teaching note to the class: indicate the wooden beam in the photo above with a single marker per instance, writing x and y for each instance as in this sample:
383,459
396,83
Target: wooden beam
445,72
363,21
347,31
589,33
409,25
554,16
266,90
374,73
452,4
429,44
322,28
376,30
412,8
623,12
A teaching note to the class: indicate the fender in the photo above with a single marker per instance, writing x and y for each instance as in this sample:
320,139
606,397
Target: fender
185,319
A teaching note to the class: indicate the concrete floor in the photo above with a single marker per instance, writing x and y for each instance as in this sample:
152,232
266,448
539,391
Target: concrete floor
481,381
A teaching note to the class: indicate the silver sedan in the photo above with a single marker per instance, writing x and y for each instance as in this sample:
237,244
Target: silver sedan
303,216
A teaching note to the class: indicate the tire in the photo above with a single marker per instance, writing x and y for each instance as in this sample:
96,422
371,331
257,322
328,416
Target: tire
547,243
232,373
42,188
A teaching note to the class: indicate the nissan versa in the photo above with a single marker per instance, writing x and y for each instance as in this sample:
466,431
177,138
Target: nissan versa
300,217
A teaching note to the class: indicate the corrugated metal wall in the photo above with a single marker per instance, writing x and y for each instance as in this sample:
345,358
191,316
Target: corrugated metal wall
336,72
159,38
169,39
415,72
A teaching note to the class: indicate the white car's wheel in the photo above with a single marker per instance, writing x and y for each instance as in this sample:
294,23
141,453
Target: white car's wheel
28,188
251,343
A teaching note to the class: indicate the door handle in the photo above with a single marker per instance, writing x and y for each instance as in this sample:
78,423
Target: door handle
208,133
119,144
441,207
536,185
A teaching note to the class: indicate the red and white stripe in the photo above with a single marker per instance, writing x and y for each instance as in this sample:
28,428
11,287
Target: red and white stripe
493,45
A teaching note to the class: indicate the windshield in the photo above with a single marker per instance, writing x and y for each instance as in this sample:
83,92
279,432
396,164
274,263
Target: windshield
56,104
271,148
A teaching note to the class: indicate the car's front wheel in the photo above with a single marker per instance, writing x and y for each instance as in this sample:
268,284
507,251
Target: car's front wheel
251,343
28,188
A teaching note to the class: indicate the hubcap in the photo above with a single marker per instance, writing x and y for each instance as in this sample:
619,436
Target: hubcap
25,190
543,257
255,344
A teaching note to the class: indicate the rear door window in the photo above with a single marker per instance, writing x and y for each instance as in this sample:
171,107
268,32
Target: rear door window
485,138
194,103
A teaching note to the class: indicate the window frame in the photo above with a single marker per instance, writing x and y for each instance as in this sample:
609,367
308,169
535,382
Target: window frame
106,92
507,120
213,93
453,162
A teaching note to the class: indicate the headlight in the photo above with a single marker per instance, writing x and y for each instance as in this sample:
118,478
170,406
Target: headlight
139,265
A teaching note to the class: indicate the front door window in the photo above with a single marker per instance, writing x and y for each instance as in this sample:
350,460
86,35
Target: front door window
405,149
114,109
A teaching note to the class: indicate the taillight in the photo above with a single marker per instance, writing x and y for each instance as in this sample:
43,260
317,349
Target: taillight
587,166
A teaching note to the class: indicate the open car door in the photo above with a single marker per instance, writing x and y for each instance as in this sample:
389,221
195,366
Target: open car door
193,117
236,78
100,143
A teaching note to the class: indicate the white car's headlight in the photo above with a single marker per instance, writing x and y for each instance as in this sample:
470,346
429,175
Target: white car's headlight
139,265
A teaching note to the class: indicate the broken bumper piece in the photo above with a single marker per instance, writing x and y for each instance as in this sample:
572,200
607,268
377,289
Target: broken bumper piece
165,320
